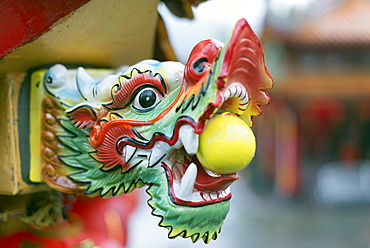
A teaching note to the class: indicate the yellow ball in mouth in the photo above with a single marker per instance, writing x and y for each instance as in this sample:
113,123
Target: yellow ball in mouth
226,145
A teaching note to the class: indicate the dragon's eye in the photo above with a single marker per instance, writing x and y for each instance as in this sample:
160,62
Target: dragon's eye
146,100
49,80
56,76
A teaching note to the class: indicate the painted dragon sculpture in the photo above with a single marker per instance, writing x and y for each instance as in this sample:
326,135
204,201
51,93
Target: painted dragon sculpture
151,124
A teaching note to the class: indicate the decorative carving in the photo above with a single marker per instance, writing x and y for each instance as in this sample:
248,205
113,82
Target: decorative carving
150,124
51,148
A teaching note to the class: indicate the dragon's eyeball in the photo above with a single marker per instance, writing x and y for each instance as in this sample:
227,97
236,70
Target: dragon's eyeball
226,145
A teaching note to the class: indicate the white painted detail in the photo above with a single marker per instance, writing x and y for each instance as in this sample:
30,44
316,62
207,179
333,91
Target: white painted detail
238,91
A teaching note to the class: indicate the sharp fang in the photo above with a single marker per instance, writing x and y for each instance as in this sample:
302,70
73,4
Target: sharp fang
187,183
129,153
159,150
189,139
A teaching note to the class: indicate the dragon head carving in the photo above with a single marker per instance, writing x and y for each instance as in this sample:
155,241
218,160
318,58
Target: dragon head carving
142,126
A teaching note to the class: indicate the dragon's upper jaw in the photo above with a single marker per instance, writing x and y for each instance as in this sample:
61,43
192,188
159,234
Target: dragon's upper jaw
189,182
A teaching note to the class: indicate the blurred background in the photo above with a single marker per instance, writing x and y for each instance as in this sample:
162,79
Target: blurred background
309,183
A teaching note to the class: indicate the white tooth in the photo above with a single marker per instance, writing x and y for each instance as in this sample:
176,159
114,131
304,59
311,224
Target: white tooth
189,139
129,152
185,190
159,149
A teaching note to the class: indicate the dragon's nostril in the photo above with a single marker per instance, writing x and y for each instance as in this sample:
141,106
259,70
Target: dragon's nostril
200,62
199,66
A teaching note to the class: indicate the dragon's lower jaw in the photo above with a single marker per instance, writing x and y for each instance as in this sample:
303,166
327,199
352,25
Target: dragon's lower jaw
193,185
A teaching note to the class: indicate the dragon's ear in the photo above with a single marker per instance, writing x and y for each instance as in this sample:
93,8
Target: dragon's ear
82,115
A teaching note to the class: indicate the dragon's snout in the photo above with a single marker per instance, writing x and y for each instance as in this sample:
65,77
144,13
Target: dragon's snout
230,80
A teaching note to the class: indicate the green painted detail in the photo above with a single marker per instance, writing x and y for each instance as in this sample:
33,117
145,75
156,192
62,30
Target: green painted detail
186,221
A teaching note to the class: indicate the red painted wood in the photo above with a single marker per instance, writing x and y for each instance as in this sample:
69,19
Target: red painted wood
22,21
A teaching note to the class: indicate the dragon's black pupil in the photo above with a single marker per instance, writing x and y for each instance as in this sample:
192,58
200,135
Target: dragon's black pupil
49,80
147,98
